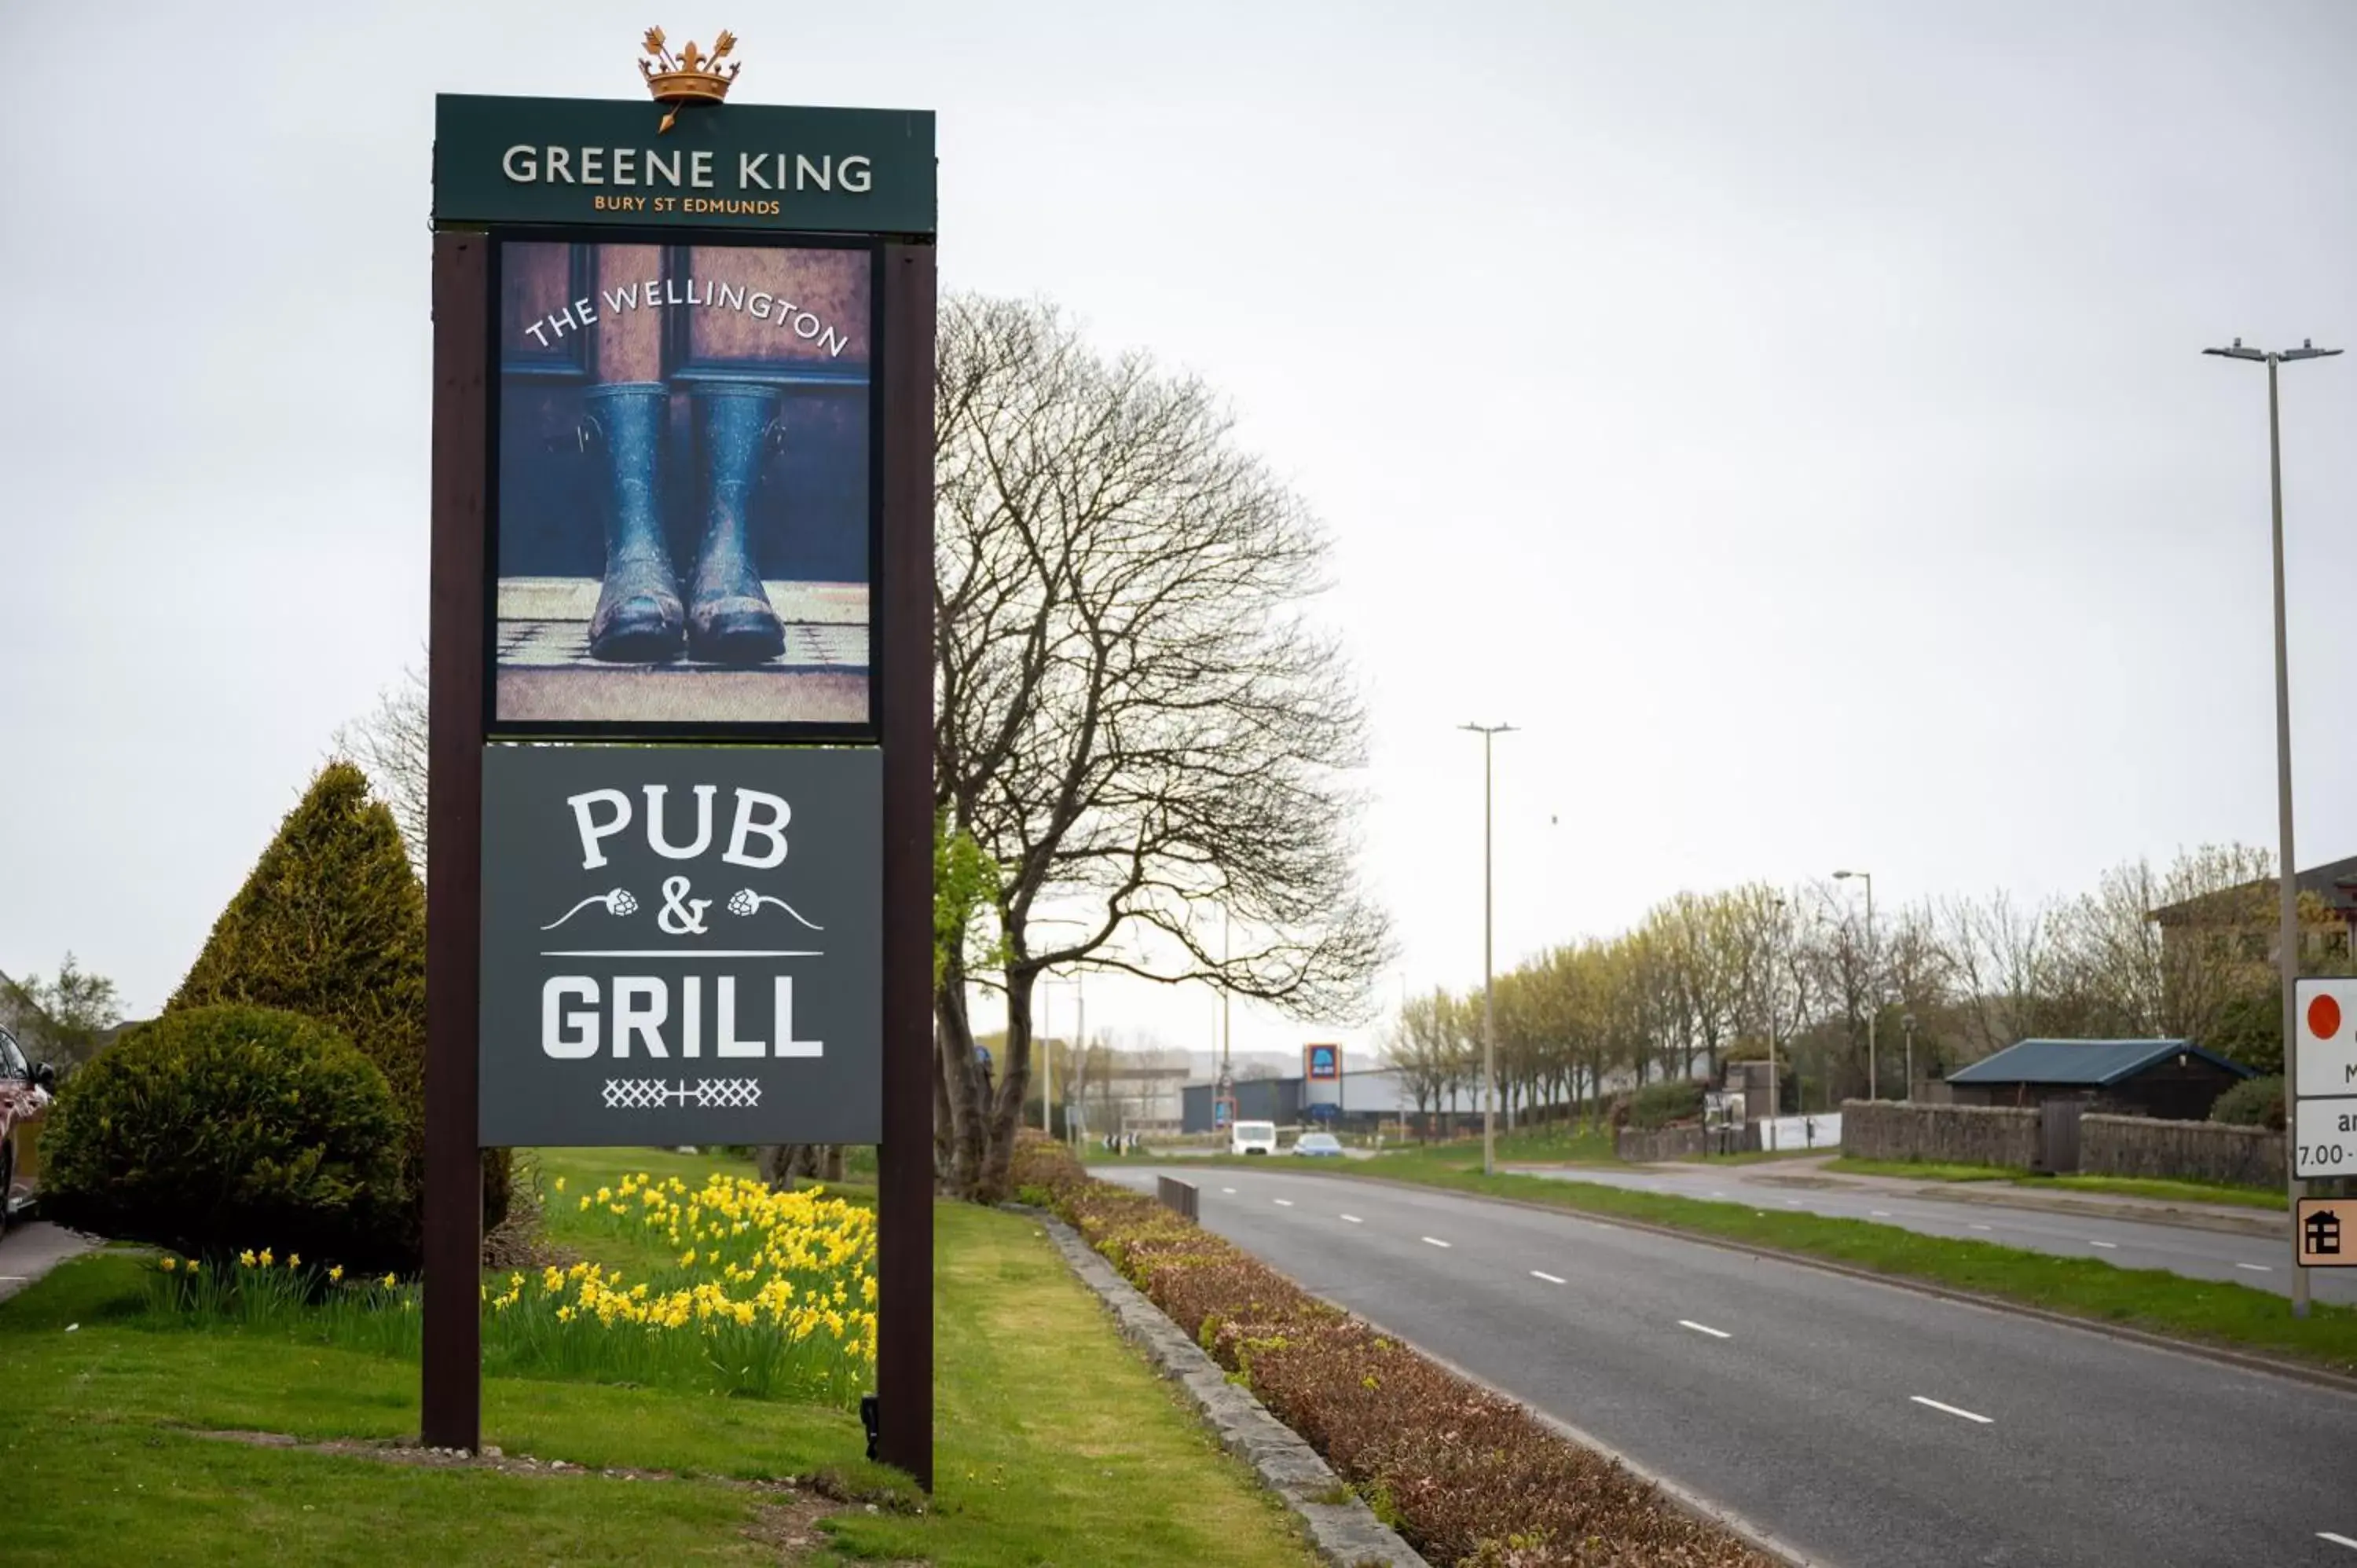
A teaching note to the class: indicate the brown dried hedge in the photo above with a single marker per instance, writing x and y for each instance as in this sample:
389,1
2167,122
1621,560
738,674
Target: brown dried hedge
1470,1479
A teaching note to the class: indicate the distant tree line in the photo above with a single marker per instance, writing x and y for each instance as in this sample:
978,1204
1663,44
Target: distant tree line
1705,978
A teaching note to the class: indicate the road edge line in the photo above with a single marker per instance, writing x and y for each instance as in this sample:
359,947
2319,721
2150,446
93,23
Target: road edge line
2249,1361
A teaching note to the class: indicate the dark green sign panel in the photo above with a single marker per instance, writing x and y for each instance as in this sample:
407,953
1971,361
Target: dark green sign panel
721,166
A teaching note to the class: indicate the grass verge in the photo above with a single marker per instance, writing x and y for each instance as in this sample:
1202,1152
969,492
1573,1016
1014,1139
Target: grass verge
1055,1444
2124,1186
2231,1315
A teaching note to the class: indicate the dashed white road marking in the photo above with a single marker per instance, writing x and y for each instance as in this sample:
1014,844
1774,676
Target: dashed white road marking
1543,1275
2107,1246
1719,1195
1879,1213
1951,1410
1792,1203
1983,1226
1435,1242
1705,1328
2336,1539
1283,1202
2257,1268
1229,1190
1352,1219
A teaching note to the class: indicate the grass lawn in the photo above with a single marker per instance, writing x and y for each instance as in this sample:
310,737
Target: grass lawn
2126,1186
2162,1303
1055,1443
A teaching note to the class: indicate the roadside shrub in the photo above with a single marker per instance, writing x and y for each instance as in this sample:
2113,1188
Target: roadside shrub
1467,1476
1657,1106
213,1128
2253,1102
332,924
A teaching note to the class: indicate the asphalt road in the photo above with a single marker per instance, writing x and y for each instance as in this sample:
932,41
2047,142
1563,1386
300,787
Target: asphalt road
1863,1423
2256,1260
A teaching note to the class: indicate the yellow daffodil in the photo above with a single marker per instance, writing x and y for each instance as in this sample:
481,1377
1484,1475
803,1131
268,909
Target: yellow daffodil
388,1282
336,1273
294,1259
246,1257
265,1256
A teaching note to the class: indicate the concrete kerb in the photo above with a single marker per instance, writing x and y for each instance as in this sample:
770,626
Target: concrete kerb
1346,1534
2245,1360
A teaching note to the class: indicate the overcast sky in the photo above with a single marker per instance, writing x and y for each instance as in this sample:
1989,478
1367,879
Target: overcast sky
1792,417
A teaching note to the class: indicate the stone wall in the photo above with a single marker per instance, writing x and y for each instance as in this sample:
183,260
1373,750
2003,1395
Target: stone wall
1683,1144
1958,1134
1669,1143
2180,1151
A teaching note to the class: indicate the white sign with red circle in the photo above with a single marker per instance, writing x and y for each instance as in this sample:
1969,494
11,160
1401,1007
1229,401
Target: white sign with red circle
2326,1010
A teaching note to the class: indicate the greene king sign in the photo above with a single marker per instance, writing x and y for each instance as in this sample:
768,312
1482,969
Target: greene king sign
734,166
680,945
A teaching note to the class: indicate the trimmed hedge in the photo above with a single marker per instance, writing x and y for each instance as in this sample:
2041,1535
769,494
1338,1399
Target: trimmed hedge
215,1128
2253,1102
1657,1106
332,924
1469,1478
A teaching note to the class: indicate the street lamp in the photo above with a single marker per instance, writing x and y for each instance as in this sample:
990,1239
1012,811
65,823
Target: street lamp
1775,932
1873,1089
1048,1045
2287,912
1489,1000
1907,1023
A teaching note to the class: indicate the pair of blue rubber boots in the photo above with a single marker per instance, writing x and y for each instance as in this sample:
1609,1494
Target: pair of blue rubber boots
725,617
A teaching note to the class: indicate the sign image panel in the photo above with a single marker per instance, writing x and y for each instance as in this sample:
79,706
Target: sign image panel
684,497
1321,1063
680,945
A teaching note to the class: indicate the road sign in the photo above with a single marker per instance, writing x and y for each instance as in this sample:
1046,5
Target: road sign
2326,1010
2326,1229
2324,1138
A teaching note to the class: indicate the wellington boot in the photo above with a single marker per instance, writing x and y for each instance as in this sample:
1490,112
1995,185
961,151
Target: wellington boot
639,618
730,619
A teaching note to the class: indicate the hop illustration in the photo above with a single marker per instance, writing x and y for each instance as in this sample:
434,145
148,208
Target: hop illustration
745,901
618,902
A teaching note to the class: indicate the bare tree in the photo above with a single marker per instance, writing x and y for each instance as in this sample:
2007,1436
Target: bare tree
389,744
1134,718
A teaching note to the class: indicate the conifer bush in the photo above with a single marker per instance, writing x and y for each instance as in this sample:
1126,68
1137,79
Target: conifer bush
214,1128
332,924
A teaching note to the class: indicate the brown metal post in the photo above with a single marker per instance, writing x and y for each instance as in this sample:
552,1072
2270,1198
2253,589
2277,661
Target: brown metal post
904,673
452,1403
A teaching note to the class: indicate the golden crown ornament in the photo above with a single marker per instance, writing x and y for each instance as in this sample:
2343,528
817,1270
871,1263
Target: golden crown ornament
690,75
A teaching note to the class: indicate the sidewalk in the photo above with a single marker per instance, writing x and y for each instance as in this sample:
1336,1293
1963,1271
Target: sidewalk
31,1249
2003,1194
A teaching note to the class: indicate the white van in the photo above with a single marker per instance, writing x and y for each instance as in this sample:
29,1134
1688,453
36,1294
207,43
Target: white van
1253,1138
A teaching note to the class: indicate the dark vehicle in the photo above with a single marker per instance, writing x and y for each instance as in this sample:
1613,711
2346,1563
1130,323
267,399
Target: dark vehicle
25,1092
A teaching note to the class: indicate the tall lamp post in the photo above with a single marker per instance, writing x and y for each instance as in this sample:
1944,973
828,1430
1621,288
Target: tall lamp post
1488,998
1873,1082
1048,1047
1775,944
2287,911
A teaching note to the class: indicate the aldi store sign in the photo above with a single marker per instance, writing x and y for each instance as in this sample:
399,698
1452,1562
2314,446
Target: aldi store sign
680,945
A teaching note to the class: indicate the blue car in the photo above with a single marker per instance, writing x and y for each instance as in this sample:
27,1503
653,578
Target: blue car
1319,1145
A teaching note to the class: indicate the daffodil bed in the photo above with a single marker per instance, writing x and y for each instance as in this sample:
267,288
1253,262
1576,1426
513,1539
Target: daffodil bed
767,1295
